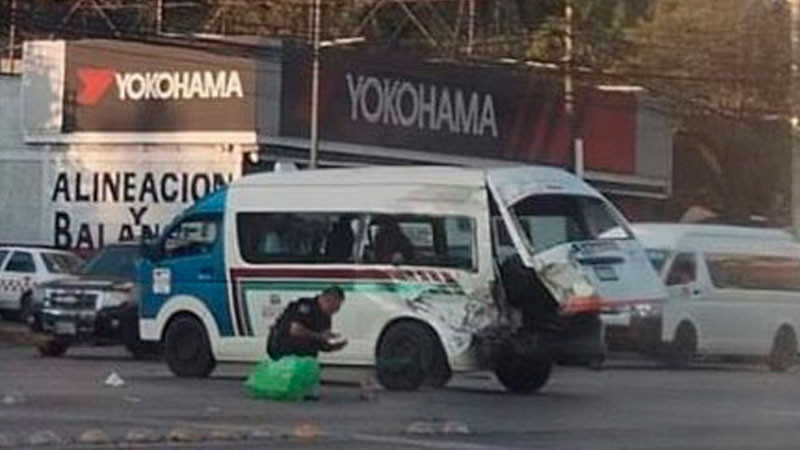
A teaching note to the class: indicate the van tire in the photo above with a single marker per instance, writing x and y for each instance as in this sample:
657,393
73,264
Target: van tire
53,348
187,349
683,347
410,355
784,350
522,373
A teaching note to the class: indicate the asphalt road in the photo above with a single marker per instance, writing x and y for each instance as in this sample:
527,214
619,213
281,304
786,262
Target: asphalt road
632,404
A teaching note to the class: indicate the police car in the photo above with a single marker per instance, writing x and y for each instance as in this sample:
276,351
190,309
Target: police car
22,268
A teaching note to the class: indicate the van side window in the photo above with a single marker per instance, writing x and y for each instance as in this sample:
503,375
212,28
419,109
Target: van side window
755,272
298,237
683,269
193,236
447,241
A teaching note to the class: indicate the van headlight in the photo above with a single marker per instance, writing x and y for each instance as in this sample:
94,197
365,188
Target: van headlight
113,299
642,310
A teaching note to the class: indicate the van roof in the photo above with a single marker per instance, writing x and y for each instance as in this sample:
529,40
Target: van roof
532,179
667,235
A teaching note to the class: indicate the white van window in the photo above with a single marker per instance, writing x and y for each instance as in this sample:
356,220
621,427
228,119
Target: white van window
550,220
193,236
683,269
770,273
441,241
297,237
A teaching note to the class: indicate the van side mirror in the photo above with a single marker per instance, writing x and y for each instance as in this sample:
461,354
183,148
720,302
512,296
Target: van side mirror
149,249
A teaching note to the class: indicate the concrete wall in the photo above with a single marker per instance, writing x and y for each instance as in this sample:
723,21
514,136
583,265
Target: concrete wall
20,172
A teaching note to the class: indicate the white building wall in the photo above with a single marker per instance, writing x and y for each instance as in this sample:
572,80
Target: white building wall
86,195
20,172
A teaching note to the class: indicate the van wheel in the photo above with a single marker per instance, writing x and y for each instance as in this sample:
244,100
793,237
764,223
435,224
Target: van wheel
410,355
186,348
53,348
522,370
684,346
784,350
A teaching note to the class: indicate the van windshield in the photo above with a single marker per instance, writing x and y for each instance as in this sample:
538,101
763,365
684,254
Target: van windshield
554,219
115,261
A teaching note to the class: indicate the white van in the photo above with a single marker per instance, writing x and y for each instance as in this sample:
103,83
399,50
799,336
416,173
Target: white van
499,269
733,291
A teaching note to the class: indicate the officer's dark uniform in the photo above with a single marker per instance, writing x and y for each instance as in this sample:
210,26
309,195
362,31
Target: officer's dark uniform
306,312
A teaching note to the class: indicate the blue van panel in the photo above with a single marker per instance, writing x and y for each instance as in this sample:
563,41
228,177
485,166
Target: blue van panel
211,203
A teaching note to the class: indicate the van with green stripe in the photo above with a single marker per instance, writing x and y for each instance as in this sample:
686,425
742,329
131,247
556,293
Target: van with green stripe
445,269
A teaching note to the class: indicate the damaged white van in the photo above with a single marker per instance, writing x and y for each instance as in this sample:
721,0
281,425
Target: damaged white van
445,269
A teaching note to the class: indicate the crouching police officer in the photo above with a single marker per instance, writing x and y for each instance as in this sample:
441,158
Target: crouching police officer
304,327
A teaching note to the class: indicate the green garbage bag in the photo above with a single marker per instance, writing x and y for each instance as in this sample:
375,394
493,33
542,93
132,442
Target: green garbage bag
289,378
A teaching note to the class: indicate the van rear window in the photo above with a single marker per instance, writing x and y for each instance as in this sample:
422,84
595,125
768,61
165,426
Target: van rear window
754,272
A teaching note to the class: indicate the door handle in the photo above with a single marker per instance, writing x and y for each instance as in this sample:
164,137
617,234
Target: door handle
204,273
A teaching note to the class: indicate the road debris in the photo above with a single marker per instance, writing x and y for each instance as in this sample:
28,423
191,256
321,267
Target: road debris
421,428
141,437
14,398
114,380
44,437
184,435
94,437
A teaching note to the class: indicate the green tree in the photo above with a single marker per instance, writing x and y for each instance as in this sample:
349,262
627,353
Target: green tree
724,65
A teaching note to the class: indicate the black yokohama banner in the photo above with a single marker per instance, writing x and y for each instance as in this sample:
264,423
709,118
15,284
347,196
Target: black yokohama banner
132,87
402,102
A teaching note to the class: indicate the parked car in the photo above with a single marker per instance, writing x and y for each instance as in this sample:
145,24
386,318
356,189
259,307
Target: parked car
733,291
22,268
97,307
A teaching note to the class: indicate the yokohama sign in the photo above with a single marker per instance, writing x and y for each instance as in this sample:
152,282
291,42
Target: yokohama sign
205,85
398,102
111,87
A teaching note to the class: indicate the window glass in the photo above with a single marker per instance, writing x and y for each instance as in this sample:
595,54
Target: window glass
3,254
193,236
550,220
657,258
297,237
116,261
772,273
60,262
442,241
21,262
683,269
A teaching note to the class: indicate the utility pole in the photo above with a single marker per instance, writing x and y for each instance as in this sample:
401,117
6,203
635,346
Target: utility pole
794,107
314,131
569,88
159,16
12,32
470,27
